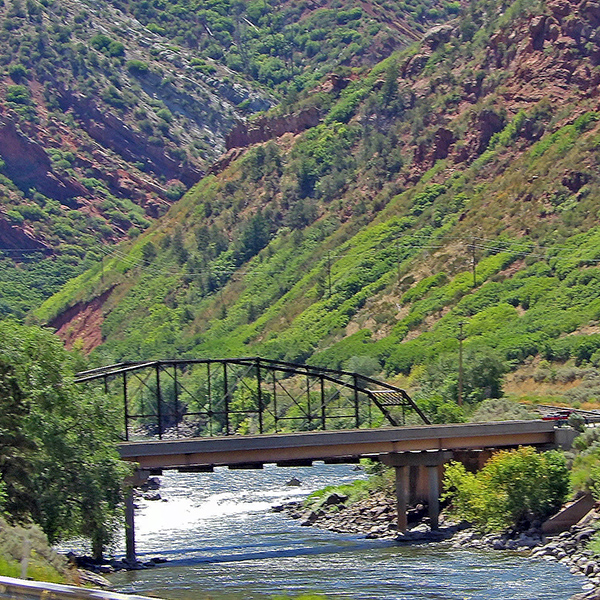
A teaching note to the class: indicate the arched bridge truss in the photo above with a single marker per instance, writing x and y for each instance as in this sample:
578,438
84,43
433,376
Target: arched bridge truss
183,398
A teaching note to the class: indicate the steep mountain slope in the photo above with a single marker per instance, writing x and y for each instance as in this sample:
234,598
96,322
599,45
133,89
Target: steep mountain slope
109,111
455,182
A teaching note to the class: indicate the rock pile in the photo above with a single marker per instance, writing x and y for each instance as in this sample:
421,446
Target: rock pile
373,517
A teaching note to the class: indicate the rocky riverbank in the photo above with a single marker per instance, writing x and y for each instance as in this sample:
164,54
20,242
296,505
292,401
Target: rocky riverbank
375,517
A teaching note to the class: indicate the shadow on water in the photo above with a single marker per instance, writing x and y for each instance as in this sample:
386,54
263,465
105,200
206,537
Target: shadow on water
218,554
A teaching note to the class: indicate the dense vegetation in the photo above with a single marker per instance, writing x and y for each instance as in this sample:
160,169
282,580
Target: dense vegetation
59,465
111,110
445,203
514,489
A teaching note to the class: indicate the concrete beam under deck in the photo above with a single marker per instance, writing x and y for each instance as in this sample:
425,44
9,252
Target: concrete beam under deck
322,445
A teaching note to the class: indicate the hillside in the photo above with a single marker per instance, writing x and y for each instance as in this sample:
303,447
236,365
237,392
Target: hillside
110,111
454,182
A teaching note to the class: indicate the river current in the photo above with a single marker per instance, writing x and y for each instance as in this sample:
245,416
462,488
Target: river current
222,542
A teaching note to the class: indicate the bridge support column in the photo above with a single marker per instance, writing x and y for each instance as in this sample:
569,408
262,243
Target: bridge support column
434,496
401,463
402,490
129,527
139,478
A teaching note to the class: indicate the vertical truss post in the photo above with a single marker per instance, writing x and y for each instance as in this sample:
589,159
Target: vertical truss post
176,398
226,392
259,394
125,407
356,401
106,385
323,413
209,390
158,401
275,402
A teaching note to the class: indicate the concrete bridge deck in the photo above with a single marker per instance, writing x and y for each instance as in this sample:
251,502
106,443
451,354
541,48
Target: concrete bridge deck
239,451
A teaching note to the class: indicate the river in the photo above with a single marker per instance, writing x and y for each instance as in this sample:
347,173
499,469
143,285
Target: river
222,543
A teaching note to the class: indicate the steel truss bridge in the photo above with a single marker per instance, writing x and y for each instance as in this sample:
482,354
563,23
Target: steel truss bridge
205,397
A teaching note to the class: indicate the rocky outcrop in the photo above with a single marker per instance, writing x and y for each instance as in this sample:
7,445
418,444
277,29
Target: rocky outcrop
17,238
110,131
28,165
265,129
374,517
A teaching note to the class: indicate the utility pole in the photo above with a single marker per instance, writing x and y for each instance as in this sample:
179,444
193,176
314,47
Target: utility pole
460,364
329,272
472,249
473,261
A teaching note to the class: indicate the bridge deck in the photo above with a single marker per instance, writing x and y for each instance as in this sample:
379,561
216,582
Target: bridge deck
322,445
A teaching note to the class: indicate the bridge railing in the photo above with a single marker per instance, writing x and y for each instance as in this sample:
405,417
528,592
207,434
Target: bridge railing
183,398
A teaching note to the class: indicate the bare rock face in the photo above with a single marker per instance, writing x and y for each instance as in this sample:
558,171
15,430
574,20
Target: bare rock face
110,131
263,130
13,237
28,165
83,321
575,180
438,35
487,123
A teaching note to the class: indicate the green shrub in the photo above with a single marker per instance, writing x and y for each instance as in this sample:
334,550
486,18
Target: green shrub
514,488
18,94
137,67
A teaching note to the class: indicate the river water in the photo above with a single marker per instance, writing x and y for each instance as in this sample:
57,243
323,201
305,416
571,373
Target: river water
222,543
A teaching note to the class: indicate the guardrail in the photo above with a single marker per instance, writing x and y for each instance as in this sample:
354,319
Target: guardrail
22,589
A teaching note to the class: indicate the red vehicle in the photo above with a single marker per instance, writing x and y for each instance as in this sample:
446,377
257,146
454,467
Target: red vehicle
559,415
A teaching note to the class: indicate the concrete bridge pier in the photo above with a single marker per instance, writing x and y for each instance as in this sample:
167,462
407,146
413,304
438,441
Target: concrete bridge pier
431,462
139,478
129,527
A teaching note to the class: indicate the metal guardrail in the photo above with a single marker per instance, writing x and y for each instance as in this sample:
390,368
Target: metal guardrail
22,589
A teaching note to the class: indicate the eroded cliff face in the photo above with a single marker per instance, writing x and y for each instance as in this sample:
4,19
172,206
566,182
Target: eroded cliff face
550,57
268,128
28,164
19,238
112,132
81,324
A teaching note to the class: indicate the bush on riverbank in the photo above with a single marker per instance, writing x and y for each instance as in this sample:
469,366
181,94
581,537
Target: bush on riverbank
585,470
514,488
24,550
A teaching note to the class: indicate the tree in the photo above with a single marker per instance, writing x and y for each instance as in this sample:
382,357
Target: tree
483,372
58,457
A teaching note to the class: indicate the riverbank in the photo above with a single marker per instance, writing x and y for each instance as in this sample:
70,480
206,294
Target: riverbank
375,518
